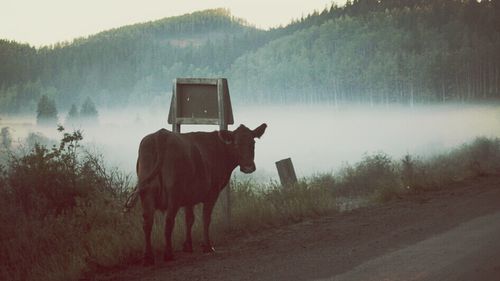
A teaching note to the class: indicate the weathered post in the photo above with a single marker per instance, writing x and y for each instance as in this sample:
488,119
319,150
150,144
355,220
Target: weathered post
203,101
286,172
226,192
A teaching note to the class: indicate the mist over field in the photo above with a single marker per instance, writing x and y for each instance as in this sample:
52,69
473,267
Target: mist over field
317,138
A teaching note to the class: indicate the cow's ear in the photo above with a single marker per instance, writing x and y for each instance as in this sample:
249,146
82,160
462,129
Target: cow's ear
259,131
226,136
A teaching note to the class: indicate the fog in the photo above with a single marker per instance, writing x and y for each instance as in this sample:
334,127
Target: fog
317,138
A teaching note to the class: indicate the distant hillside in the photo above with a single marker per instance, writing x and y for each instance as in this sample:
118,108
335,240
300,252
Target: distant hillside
366,51
135,63
380,52
138,62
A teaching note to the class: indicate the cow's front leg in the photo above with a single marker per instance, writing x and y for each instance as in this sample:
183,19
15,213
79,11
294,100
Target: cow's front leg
207,217
189,216
169,226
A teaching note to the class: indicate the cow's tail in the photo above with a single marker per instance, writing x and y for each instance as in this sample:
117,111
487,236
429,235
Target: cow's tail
134,196
131,200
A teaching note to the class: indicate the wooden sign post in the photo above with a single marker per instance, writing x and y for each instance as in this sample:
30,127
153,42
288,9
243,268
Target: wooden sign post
203,101
286,172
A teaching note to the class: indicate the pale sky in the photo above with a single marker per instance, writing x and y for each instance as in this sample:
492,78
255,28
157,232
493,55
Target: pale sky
43,22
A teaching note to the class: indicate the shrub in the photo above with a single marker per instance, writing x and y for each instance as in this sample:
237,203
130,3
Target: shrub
58,209
479,158
374,172
484,156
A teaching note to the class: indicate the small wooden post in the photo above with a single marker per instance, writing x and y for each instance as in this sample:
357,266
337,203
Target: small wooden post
226,198
176,127
286,172
226,193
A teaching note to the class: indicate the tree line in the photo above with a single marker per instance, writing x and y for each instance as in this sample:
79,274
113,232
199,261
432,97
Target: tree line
369,51
381,52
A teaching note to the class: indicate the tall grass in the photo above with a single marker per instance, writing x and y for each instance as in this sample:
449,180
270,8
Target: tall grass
382,178
61,208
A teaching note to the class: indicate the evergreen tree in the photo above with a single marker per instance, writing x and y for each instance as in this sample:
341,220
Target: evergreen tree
6,137
73,115
46,111
88,112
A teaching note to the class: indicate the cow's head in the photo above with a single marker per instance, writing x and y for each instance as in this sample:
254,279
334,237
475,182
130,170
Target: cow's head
243,144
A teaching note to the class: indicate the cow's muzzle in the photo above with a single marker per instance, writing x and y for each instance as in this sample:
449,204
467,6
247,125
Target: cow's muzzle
247,169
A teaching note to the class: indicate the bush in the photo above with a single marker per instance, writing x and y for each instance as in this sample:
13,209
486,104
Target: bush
58,209
479,158
257,206
36,138
374,172
47,181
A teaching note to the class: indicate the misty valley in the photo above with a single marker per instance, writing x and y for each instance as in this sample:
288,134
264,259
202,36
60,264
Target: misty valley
318,138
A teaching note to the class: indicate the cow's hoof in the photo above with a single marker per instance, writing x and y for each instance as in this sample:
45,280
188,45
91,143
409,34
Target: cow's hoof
148,261
168,257
207,248
187,247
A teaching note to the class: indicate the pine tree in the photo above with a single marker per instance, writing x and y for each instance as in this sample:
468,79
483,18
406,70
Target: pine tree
73,115
46,111
6,138
88,112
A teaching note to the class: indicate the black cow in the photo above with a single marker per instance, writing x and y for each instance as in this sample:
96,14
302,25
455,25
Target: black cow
181,170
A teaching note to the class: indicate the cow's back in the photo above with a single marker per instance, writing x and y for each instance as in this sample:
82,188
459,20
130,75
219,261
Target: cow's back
182,168
193,166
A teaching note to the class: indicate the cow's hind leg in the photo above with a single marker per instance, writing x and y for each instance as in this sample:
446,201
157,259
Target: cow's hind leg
207,217
169,226
148,210
189,215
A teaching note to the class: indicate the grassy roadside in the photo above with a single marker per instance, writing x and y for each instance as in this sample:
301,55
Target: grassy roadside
61,208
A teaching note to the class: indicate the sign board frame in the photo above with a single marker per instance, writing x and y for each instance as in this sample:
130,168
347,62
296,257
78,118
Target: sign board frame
200,101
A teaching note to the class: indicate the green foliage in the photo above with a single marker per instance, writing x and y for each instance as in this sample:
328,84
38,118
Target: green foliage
6,139
46,113
407,53
269,205
479,158
88,108
381,178
48,181
73,115
366,51
375,172
58,208
88,112
39,139
15,60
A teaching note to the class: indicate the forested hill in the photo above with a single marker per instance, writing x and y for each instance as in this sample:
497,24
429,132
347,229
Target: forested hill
386,51
134,63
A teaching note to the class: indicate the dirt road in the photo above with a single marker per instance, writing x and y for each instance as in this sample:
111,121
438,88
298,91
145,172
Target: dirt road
452,234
